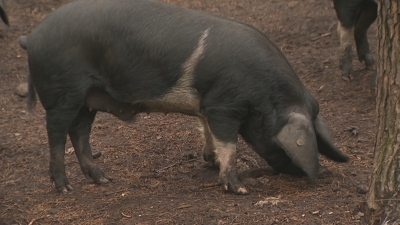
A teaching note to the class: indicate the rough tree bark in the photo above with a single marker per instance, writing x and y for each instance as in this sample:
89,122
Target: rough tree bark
384,194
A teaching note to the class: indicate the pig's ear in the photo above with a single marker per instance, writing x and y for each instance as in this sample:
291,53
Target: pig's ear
297,139
325,141
3,14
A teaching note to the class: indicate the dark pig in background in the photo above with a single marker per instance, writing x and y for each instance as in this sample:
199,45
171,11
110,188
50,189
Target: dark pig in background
130,56
355,17
3,14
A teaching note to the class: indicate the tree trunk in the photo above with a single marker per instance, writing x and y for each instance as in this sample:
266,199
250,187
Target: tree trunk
383,199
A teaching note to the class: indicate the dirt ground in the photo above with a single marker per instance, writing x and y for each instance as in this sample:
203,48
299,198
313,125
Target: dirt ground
159,174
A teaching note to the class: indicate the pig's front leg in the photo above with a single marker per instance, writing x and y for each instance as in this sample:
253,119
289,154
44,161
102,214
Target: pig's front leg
220,148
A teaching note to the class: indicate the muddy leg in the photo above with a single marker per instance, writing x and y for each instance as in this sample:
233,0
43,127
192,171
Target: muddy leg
346,42
79,133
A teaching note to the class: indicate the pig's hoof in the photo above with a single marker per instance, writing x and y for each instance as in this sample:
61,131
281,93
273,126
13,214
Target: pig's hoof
347,77
233,184
66,188
347,71
103,179
97,175
236,190
61,183
241,191
369,61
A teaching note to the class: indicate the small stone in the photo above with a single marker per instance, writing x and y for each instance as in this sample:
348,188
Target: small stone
362,189
22,90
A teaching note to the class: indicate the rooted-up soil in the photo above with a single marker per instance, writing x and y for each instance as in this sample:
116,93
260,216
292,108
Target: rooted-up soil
159,174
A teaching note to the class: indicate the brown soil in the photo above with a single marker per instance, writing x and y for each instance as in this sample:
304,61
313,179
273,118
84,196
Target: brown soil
159,174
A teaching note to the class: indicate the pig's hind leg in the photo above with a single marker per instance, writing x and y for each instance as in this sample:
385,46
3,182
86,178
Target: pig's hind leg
79,133
67,114
63,116
57,123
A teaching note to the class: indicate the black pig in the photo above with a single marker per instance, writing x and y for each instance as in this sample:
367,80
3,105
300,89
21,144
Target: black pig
130,56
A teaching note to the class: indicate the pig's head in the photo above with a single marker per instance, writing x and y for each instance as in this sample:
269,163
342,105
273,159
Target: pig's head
290,143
